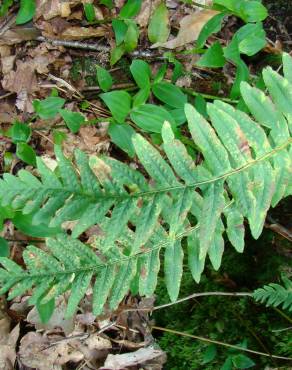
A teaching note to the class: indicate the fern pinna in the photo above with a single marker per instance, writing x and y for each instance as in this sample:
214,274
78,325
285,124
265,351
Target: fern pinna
246,168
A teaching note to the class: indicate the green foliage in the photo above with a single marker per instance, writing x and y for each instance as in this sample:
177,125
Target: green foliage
4,247
104,78
245,170
89,12
73,120
276,295
158,29
26,11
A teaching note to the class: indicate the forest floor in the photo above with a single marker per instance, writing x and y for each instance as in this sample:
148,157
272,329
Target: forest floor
34,66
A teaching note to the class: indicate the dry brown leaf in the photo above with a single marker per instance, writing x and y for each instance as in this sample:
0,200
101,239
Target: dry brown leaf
19,34
53,8
139,357
147,9
7,64
7,344
80,33
190,28
37,352
23,78
7,113
56,321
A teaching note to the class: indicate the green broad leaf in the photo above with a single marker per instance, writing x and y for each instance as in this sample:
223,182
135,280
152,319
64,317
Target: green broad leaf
141,97
20,132
119,103
242,362
252,11
121,135
130,9
231,51
201,105
46,310
89,12
213,25
120,29
4,247
49,107
116,54
227,364
209,354
73,120
141,73
104,79
108,3
169,94
25,224
158,29
251,39
160,73
59,137
227,4
242,74
151,117
26,11
178,71
26,153
131,36
213,58
178,115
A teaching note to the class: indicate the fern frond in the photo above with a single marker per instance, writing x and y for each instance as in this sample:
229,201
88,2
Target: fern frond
275,295
246,169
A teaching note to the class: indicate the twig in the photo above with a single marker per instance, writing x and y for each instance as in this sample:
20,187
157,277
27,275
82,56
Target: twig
210,97
195,295
6,95
277,228
203,339
75,44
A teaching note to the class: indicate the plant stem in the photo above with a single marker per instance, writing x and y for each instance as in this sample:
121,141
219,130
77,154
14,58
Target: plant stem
205,294
203,339
207,96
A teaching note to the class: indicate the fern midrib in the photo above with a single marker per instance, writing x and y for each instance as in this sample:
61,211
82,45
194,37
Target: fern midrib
110,263
95,198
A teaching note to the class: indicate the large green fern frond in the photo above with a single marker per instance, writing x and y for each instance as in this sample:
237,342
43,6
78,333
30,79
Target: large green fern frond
246,168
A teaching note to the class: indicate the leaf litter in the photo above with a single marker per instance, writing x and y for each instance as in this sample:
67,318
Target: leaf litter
29,59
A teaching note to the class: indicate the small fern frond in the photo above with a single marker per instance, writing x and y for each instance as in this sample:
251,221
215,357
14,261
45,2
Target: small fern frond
246,169
275,295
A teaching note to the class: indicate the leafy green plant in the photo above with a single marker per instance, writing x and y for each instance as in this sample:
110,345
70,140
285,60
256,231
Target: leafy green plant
248,40
126,30
246,169
275,294
26,10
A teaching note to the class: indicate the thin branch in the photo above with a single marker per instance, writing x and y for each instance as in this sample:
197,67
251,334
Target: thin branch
203,339
277,228
194,295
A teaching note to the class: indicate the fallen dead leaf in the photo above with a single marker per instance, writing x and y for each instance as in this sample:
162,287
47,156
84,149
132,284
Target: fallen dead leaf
36,352
190,28
23,78
19,34
147,9
80,33
7,344
140,357
49,9
56,321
